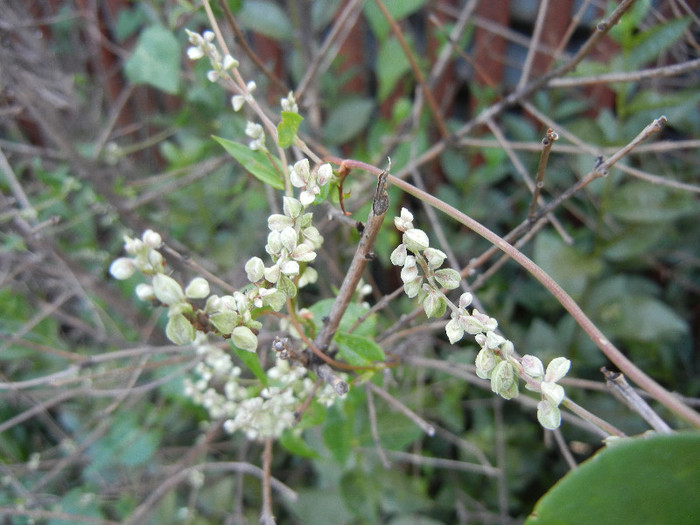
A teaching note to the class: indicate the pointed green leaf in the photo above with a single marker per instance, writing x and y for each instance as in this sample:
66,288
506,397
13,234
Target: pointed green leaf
250,360
287,128
155,60
358,350
256,162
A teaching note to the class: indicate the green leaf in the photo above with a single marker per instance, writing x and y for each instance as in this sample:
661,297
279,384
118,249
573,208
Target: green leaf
155,60
641,202
347,120
645,46
296,445
651,480
626,308
256,162
392,64
570,267
267,18
287,128
338,434
398,9
252,361
361,495
358,350
352,313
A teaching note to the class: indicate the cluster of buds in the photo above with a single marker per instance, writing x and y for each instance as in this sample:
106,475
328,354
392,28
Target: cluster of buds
259,412
202,46
496,361
291,244
415,252
257,133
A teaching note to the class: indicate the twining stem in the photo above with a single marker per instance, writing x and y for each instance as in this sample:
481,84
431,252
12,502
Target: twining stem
611,352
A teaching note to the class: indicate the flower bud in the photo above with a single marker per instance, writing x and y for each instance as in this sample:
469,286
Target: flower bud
533,367
434,304
229,62
434,257
416,240
167,290
409,273
454,330
292,208
152,239
122,268
302,170
502,377
412,288
324,174
272,274
179,330
398,256
465,299
144,292
225,322
552,392
303,253
244,338
156,261
405,221
556,369
493,340
237,102
312,236
289,238
485,362
197,289
290,268
448,278
254,269
549,416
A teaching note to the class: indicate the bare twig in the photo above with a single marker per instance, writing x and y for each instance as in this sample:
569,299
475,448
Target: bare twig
547,143
266,515
619,386
418,74
363,254
397,405
372,414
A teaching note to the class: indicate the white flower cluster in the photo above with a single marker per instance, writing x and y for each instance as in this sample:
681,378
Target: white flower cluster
202,46
257,133
258,412
291,243
496,360
426,283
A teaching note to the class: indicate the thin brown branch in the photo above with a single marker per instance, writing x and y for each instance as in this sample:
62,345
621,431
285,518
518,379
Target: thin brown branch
619,386
248,50
632,76
397,405
266,515
362,255
418,74
611,351
547,142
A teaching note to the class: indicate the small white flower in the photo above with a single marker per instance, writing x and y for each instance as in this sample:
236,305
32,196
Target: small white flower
229,62
122,268
194,53
167,290
237,102
152,239
197,289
